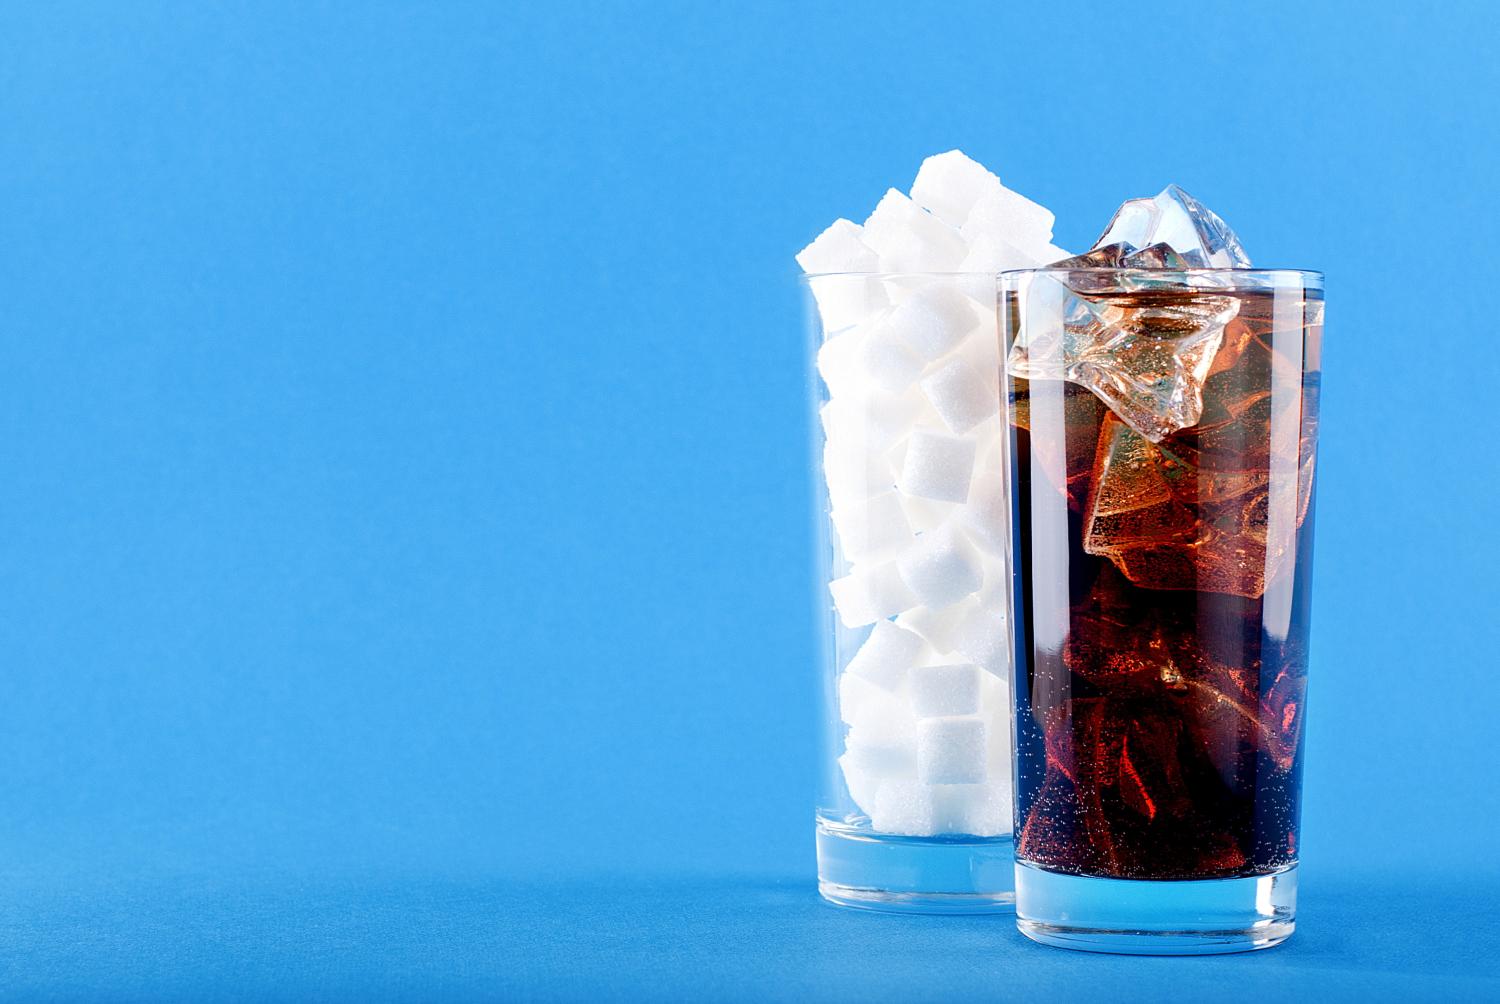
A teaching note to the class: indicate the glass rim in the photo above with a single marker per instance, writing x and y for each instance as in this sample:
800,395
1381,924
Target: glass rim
1097,269
1112,269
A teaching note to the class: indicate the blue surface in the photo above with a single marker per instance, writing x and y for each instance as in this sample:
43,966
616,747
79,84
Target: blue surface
403,477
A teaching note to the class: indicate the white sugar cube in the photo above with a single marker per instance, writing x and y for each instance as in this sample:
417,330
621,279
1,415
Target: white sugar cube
945,691
952,750
863,784
1052,253
838,249
982,636
982,810
886,655
904,807
845,300
988,253
870,593
873,529
1011,218
873,419
935,319
926,514
948,185
935,627
887,360
853,475
937,466
961,395
909,239
985,518
839,362
941,568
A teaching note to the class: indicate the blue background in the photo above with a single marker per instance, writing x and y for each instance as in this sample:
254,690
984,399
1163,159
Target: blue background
404,478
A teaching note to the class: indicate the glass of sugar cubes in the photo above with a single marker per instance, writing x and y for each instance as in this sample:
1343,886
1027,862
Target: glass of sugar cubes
915,803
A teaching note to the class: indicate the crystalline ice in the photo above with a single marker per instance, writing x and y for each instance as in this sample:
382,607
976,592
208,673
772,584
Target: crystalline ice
937,466
952,750
886,655
1145,352
944,691
1181,222
909,239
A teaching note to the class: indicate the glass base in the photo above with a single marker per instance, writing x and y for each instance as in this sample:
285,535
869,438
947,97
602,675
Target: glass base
878,871
1134,917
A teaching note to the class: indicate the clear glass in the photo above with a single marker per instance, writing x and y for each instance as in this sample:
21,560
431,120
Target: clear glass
1162,562
914,808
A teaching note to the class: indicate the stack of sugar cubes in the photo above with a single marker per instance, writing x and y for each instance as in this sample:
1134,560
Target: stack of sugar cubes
913,465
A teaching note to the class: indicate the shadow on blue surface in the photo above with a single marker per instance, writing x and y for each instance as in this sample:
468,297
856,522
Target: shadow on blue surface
681,939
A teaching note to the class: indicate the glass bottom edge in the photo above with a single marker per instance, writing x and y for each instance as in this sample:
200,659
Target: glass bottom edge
1137,917
864,870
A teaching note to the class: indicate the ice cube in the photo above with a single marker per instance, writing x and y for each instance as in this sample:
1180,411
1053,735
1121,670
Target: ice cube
1182,223
948,185
1145,353
909,239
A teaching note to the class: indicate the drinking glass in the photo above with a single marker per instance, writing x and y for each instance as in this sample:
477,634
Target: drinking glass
1161,447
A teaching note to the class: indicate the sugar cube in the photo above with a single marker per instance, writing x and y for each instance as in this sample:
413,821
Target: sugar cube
985,518
870,593
909,239
981,810
886,655
941,568
888,360
961,395
937,466
934,320
873,419
982,636
1011,218
904,807
944,691
952,750
948,185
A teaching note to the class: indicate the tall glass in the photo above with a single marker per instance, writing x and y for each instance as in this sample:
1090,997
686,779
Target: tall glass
1162,456
914,808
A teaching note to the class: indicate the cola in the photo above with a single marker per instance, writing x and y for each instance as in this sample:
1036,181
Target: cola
1163,511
